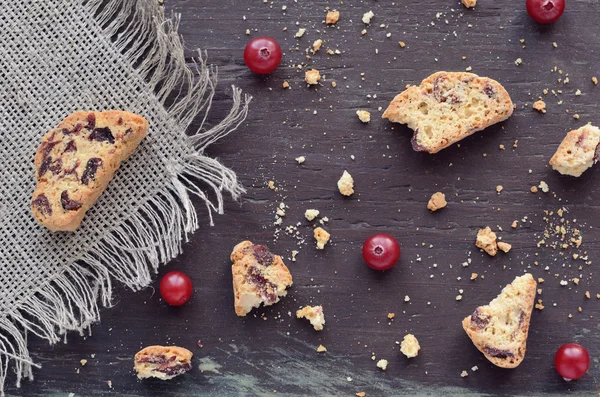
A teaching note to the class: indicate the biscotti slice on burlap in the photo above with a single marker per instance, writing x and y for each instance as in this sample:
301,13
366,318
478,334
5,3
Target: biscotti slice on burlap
499,330
162,362
258,277
76,161
577,152
448,107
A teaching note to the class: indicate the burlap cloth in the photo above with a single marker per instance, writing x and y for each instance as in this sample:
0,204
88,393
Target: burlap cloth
57,57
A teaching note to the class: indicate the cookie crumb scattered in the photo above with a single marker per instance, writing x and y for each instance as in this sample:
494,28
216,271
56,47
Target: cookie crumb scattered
437,201
464,374
518,61
363,115
505,247
321,349
332,17
361,394
469,3
367,16
285,85
83,362
346,184
391,315
474,276
402,44
595,80
271,185
533,189
300,159
310,214
317,45
544,186
312,76
406,298
499,188
314,314
322,237
486,240
382,364
540,106
300,32
410,346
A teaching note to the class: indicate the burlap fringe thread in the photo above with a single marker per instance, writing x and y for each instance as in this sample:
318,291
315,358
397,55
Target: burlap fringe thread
153,235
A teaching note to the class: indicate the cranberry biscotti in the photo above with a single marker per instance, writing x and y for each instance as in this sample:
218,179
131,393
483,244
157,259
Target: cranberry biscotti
578,151
76,161
449,106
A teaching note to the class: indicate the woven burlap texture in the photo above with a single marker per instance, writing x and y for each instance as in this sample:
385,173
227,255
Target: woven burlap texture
58,57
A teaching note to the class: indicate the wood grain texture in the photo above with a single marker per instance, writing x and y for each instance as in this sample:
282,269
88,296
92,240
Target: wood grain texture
393,184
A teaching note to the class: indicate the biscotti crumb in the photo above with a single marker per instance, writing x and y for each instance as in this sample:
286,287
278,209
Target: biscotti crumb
540,106
410,346
333,84
367,16
363,115
486,240
83,362
322,237
317,45
332,17
474,276
402,44
300,32
314,314
406,298
518,61
505,247
294,254
499,188
346,184
595,80
300,159
539,305
469,3
514,224
312,76
310,214
391,315
464,374
544,186
437,201
361,394
321,349
534,189
382,364
587,294
285,85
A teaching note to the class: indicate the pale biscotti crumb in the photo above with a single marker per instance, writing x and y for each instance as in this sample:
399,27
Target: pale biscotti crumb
367,16
486,240
382,364
322,237
577,151
437,201
321,349
469,3
259,277
361,394
285,85
332,17
504,247
311,214
300,159
346,184
595,80
317,45
300,33
410,346
363,115
312,76
499,330
540,106
314,314
449,106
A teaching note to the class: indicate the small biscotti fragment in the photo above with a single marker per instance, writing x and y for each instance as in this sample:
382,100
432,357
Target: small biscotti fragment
499,330
449,106
310,214
322,237
504,247
258,277
540,106
76,161
346,184
410,346
486,240
312,76
332,17
363,116
314,314
577,152
469,3
162,362
437,202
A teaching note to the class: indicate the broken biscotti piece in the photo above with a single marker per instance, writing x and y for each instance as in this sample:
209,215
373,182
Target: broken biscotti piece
486,240
314,314
499,330
162,362
258,277
322,237
410,346
577,152
437,202
448,107
76,161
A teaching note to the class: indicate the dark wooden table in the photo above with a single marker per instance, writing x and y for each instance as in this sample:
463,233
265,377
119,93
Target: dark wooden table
272,353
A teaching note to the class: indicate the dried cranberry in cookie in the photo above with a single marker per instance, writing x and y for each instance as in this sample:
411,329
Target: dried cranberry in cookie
162,362
259,277
448,107
76,161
